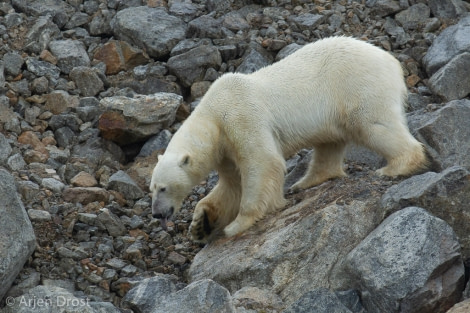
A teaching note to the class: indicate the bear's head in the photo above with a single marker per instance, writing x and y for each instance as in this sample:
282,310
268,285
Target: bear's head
171,182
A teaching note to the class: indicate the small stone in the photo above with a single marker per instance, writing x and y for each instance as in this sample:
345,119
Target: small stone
129,270
116,263
39,215
53,184
83,179
176,258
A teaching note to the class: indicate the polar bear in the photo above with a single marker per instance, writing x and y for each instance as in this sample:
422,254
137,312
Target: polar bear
323,96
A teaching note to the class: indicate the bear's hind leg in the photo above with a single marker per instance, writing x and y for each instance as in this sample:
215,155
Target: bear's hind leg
326,163
404,154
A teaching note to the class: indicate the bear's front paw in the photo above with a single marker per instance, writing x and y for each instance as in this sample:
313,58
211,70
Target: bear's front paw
200,228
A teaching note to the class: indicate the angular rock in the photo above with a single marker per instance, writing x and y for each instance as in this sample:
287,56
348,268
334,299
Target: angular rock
12,63
54,8
452,81
40,34
452,41
443,133
39,215
119,55
42,68
447,9
53,184
16,162
383,7
410,263
58,101
205,27
153,30
253,60
85,195
186,11
30,138
148,293
17,240
307,21
157,142
28,190
319,301
69,54
299,249
253,298
191,66
83,179
204,296
127,120
113,224
445,195
87,80
412,17
123,183
5,149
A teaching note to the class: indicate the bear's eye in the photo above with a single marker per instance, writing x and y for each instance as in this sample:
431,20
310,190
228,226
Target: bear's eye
162,189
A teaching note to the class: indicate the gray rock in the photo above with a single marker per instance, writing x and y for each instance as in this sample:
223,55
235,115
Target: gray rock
16,233
55,8
5,149
410,263
318,301
51,299
204,296
149,293
41,68
64,137
186,11
69,54
445,195
452,81
152,30
191,66
87,80
123,183
16,162
53,184
28,190
40,34
383,7
443,133
13,63
205,27
447,9
452,41
253,60
113,224
287,50
69,120
414,16
136,119
253,298
157,142
307,21
39,215
217,5
302,248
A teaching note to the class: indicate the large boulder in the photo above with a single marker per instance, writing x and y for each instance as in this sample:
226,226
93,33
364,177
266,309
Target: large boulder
445,195
300,249
153,30
127,120
444,132
453,40
17,240
410,263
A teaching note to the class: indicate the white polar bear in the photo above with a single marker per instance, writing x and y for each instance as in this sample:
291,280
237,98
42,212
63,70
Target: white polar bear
323,96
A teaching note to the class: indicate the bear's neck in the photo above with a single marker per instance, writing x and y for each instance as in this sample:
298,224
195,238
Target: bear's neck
199,138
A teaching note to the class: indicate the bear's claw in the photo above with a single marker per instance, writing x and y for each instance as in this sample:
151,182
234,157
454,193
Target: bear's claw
200,228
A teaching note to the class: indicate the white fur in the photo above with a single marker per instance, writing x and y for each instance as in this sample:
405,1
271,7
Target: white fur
323,96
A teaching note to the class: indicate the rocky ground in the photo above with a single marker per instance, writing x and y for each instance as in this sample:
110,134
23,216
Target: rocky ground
90,93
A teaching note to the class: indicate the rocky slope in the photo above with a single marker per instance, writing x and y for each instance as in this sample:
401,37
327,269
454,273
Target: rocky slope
91,91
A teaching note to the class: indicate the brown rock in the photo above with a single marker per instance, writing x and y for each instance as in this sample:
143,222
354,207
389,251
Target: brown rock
39,152
119,55
83,179
85,195
59,100
461,307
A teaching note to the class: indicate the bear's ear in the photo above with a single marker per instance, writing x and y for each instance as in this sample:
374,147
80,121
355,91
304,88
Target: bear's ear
185,160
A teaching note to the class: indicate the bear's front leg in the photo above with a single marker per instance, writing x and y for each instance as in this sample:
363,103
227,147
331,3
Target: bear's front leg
203,223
